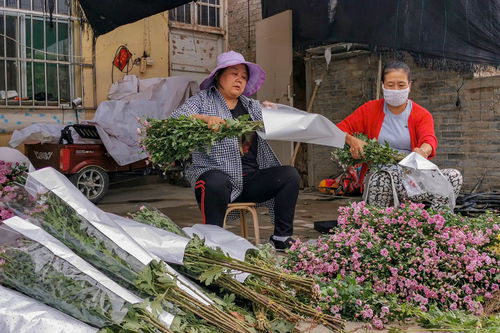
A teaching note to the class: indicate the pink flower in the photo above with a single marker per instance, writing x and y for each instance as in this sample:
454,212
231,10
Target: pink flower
430,263
377,323
367,313
5,214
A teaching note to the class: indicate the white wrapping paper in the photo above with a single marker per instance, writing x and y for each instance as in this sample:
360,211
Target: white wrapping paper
423,176
216,237
417,161
64,189
285,123
171,247
39,235
21,314
15,156
166,245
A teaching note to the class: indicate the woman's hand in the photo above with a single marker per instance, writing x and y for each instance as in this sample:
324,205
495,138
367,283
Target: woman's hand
356,146
213,122
425,150
269,105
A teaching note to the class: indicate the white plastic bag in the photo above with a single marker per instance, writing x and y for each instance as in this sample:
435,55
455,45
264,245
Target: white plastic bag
422,176
126,87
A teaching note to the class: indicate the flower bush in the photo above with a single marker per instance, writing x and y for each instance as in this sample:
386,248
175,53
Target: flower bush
9,175
384,262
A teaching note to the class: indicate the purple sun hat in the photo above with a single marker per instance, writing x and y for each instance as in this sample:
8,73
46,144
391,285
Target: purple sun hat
256,74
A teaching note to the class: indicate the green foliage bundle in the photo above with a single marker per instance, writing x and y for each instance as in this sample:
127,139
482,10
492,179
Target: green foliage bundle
174,139
374,154
458,321
63,222
34,270
154,217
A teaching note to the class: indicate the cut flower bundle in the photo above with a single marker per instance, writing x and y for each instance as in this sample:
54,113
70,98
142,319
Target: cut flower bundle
33,268
267,285
374,154
174,139
253,294
63,222
9,175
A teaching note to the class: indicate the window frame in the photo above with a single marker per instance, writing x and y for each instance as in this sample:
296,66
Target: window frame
25,55
195,20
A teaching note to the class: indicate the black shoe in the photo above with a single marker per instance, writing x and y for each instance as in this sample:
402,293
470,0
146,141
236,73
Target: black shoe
282,245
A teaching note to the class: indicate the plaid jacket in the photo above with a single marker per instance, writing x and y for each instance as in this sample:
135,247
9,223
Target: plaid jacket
225,154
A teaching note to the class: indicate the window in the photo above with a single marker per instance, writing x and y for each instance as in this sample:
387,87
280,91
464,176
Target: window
203,12
37,63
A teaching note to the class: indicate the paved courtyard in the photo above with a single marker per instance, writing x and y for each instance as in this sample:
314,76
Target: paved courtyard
179,204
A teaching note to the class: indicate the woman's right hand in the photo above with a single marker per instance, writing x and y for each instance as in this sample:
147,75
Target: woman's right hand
356,146
213,122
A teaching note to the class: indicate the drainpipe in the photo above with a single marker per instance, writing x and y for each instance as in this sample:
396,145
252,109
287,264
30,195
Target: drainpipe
94,71
379,76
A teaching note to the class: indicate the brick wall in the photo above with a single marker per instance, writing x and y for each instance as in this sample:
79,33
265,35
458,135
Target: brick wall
468,134
238,29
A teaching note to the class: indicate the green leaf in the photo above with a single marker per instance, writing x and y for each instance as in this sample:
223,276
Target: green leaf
211,275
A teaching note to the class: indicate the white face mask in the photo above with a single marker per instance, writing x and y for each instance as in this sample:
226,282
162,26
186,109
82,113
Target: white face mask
396,97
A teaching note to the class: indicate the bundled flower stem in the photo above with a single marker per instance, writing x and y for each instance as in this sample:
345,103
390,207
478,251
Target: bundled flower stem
154,217
289,301
197,253
64,223
213,266
374,154
256,288
32,269
152,279
174,139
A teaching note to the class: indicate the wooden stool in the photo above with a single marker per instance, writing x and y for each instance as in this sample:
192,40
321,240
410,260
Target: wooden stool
244,207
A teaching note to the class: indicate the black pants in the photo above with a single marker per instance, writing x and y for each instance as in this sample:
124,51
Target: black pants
213,191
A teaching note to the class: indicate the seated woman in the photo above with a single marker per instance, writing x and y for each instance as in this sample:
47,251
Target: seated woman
406,126
227,174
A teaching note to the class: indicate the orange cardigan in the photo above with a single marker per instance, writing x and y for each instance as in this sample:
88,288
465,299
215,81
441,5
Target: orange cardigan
368,119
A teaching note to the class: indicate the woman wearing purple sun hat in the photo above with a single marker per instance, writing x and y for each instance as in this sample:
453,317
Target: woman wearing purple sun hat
225,174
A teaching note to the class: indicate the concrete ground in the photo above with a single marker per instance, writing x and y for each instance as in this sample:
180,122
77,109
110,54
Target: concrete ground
128,193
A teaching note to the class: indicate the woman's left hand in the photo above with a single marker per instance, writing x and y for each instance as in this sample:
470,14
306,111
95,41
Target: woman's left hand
269,105
422,151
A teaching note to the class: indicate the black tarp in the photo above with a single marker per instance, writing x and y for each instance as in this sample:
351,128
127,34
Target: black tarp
106,15
466,31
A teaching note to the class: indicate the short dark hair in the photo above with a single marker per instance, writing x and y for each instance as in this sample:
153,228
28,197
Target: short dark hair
396,66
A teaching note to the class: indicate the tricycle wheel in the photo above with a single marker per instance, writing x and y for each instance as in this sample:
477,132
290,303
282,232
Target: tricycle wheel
92,181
